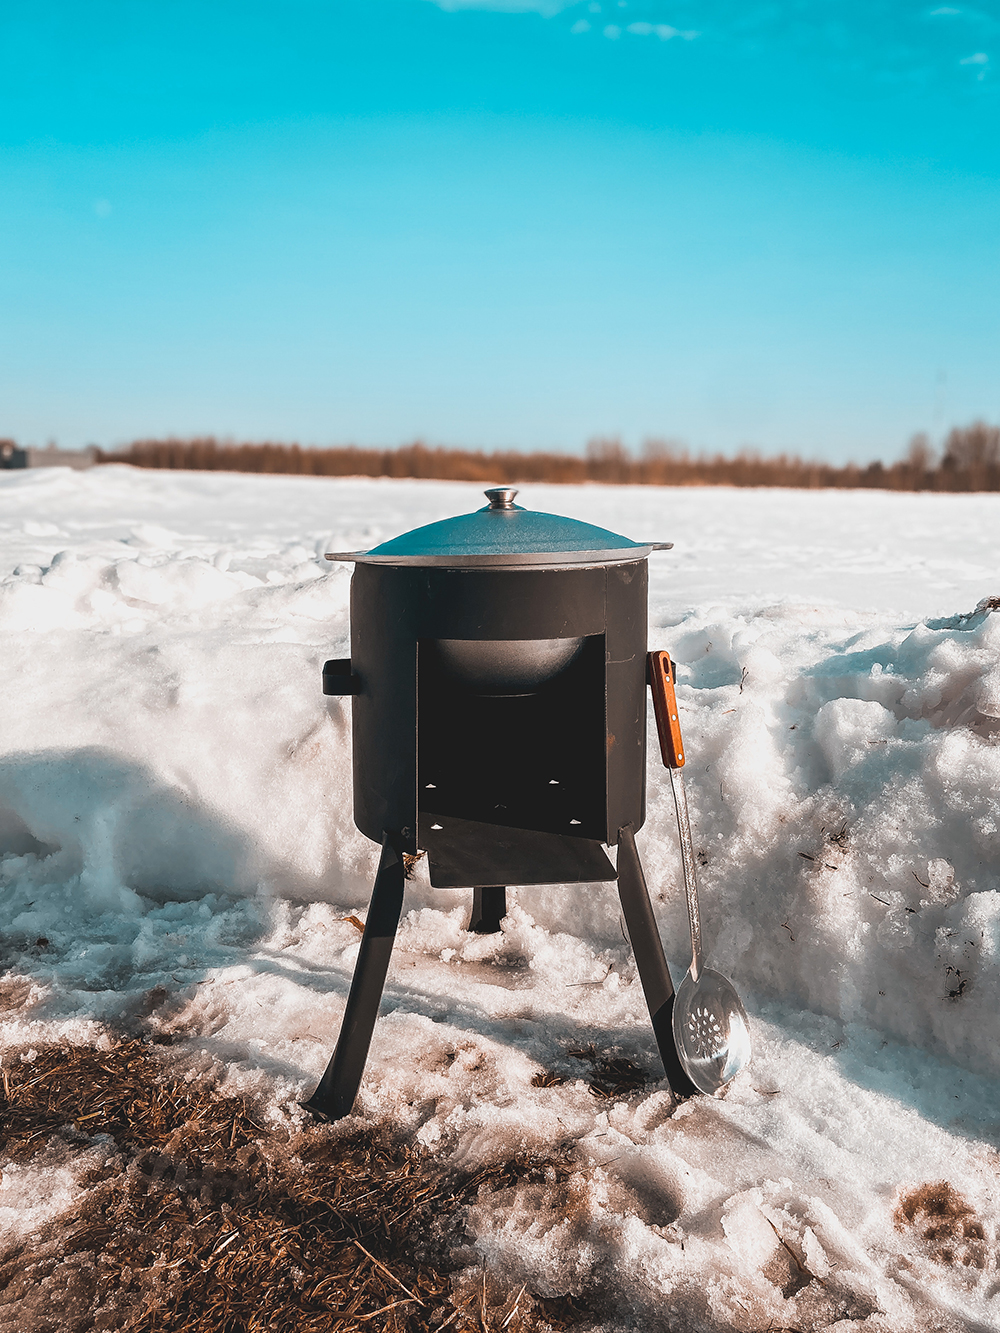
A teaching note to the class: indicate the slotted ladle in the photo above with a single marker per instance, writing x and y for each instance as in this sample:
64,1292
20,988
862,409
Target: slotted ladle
710,1025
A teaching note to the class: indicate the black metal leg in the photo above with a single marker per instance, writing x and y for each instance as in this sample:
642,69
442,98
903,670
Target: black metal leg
489,907
649,958
339,1085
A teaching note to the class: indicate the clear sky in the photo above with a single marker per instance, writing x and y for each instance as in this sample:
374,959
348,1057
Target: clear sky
488,224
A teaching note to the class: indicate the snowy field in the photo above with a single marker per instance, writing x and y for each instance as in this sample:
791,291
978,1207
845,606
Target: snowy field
179,857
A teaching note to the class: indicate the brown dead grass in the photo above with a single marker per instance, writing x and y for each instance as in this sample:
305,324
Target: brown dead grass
197,1216
940,1216
612,1077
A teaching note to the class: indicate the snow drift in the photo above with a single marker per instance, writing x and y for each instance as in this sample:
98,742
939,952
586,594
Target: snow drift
178,850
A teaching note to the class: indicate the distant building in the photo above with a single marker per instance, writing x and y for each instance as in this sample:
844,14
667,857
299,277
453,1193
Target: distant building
12,456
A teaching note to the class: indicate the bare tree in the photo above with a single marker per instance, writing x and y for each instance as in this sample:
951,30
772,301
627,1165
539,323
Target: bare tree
975,446
664,451
920,454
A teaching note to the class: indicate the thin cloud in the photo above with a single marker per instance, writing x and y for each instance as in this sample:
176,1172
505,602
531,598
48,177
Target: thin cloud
980,59
662,30
879,53
547,8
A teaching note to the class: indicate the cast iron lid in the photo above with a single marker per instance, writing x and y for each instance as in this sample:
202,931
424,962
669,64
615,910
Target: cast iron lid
502,533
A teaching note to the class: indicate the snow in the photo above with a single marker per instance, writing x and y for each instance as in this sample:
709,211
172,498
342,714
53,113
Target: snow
177,851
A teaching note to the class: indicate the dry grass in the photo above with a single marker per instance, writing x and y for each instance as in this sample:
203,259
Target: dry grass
612,1077
941,1217
199,1217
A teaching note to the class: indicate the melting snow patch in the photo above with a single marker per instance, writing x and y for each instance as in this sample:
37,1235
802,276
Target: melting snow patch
177,855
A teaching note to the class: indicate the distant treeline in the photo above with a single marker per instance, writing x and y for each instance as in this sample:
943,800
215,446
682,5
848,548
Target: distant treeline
969,461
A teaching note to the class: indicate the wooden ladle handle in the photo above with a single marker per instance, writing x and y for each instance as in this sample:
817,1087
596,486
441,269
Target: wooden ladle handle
660,672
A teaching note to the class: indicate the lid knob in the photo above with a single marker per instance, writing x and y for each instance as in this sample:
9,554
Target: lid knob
501,497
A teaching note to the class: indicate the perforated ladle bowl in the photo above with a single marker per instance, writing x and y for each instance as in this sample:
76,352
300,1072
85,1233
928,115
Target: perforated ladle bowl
710,1025
710,1030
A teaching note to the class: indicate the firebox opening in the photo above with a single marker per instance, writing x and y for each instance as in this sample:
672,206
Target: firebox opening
532,760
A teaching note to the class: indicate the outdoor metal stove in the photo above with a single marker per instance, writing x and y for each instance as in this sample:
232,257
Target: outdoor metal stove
498,668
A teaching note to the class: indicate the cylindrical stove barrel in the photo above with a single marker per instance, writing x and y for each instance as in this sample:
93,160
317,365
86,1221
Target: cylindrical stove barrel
396,609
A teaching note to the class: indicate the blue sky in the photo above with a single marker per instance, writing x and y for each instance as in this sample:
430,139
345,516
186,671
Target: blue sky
493,224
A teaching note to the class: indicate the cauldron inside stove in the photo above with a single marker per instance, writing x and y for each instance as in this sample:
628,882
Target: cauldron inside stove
505,666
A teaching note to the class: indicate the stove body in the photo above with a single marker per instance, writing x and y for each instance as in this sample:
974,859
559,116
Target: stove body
498,784
499,726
